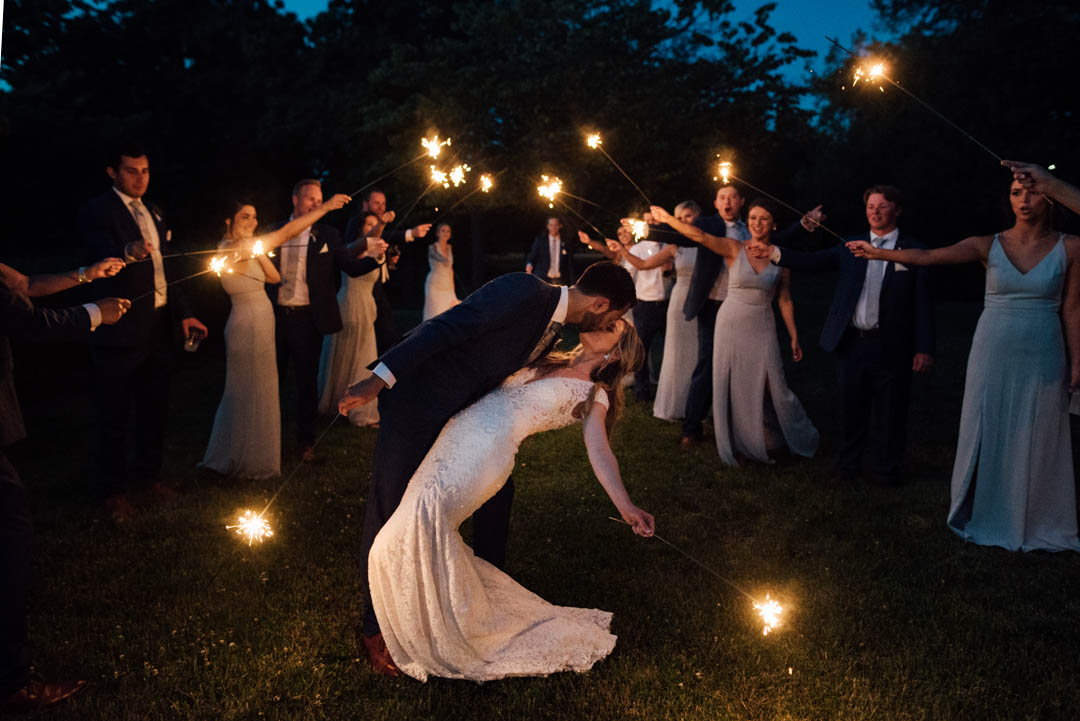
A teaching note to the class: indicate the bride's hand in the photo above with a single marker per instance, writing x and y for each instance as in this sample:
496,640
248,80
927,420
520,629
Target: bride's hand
641,521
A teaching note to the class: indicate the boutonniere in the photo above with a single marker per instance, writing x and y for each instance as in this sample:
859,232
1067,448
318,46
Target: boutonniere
168,235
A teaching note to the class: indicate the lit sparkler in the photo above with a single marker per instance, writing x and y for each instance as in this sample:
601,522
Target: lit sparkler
252,527
457,174
219,265
549,189
594,141
770,612
640,229
871,75
433,146
439,177
486,183
724,173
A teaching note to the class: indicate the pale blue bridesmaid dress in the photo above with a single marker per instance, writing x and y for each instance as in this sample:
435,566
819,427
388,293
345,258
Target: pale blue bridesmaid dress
1013,483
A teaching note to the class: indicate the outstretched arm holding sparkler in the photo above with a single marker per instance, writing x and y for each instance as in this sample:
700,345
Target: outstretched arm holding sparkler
662,257
726,247
1039,179
33,286
606,468
293,228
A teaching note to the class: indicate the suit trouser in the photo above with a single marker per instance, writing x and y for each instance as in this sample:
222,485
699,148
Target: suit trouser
132,378
16,535
299,340
399,450
874,388
650,317
699,396
386,335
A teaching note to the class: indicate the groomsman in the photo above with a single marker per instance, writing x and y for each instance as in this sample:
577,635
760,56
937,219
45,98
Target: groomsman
19,691
305,303
386,333
650,311
551,258
133,359
881,328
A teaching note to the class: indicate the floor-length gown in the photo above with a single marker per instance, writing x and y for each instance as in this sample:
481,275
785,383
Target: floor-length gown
347,353
439,286
680,344
750,393
1012,482
442,610
246,440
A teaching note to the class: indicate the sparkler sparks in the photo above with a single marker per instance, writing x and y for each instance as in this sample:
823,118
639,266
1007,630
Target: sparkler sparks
770,612
438,176
252,527
640,229
219,265
724,173
258,249
549,188
594,141
457,174
486,183
433,146
871,75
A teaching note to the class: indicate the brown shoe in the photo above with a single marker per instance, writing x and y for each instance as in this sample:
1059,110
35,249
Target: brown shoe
37,695
307,453
380,656
687,442
119,508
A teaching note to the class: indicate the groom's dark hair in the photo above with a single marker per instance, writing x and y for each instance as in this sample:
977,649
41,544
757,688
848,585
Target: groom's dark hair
610,281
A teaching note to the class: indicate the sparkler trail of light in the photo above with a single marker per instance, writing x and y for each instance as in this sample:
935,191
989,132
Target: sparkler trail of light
252,527
795,210
770,611
919,100
595,142
579,215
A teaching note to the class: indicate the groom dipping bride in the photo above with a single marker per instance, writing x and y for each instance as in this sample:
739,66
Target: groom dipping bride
456,398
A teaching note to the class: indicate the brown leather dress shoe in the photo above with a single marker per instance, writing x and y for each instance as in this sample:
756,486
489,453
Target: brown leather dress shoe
38,694
380,656
119,508
687,442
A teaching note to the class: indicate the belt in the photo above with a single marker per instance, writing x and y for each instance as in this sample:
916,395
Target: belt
860,333
287,309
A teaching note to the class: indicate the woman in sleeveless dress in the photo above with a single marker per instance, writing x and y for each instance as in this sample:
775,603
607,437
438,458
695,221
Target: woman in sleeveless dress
755,414
1012,483
442,610
246,438
439,286
347,353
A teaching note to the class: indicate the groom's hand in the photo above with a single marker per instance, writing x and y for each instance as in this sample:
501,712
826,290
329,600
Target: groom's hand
360,394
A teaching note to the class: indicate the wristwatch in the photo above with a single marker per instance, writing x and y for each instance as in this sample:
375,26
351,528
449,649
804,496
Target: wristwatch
82,275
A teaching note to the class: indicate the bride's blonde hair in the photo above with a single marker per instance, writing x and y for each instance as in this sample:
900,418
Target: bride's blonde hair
623,359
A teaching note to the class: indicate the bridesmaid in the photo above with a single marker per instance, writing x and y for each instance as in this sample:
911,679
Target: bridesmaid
439,286
1012,483
755,414
347,353
246,439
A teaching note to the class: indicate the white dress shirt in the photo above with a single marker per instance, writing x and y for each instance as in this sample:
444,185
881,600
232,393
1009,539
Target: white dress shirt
559,316
148,231
736,230
294,288
648,284
867,309
555,251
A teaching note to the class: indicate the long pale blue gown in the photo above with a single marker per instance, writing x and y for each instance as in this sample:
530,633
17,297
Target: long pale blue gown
1013,483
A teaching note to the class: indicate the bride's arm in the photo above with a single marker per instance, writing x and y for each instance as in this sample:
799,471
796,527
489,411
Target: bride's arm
606,469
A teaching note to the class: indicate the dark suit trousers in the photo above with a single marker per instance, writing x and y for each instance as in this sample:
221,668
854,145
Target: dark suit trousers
650,316
874,390
399,449
699,398
16,535
299,342
386,334
128,378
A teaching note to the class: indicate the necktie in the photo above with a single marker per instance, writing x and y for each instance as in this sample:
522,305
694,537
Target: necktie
142,219
545,340
292,267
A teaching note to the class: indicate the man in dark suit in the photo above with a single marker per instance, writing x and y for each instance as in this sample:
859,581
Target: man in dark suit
447,363
386,333
881,327
305,303
133,359
545,247
19,693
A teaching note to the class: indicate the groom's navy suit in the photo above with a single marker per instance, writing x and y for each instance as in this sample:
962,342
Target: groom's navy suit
442,366
873,367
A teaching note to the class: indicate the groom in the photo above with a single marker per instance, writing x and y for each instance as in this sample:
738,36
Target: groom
448,363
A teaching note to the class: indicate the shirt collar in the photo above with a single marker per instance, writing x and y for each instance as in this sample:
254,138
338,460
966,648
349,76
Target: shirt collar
125,197
889,238
559,316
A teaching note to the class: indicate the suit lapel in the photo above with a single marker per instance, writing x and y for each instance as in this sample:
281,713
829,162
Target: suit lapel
124,220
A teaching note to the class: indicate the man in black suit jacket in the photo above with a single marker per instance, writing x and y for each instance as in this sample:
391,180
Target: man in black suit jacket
133,359
305,303
881,327
386,333
539,260
19,693
449,362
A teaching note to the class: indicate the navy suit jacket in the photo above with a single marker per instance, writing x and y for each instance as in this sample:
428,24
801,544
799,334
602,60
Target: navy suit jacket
326,257
906,311
106,227
540,259
452,360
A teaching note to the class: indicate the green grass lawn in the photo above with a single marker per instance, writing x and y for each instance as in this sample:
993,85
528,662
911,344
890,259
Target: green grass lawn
889,615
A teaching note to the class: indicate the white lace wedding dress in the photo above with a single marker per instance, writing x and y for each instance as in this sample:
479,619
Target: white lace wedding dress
442,610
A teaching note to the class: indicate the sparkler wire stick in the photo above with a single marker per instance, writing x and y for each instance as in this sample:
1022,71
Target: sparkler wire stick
297,466
386,175
596,143
475,190
172,282
795,210
583,218
923,103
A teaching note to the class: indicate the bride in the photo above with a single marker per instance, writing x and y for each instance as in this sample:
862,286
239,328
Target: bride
442,610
